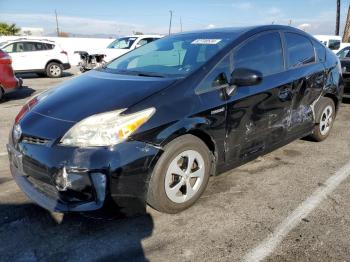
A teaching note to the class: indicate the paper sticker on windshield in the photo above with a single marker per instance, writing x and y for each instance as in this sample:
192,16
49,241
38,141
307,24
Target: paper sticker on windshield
205,41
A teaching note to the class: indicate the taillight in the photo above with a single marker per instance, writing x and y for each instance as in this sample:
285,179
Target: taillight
26,108
5,58
64,52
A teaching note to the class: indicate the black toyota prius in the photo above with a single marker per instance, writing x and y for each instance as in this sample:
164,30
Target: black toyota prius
155,123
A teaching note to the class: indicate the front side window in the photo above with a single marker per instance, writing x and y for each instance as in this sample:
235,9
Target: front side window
344,53
145,41
29,46
218,77
9,48
334,44
176,55
299,49
122,43
262,53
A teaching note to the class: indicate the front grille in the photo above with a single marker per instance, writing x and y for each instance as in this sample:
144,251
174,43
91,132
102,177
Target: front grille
35,169
35,140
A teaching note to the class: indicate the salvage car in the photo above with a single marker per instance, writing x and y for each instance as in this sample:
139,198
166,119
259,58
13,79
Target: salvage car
344,56
166,116
44,57
96,58
8,81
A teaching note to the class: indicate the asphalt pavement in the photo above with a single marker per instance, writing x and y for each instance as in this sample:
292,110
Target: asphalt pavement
290,205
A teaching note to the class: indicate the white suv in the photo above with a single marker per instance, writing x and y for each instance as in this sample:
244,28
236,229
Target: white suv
43,57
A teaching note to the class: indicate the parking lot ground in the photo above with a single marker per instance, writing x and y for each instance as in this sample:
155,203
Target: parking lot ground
240,211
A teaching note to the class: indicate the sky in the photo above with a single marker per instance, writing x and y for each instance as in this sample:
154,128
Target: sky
152,16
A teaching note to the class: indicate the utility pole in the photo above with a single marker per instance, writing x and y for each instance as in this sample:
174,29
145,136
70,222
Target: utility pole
180,24
171,18
347,27
337,18
58,31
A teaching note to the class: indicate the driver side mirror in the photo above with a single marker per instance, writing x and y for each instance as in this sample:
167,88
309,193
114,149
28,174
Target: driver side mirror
245,77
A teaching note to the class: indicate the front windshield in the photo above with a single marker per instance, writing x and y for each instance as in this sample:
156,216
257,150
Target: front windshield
122,43
176,55
344,53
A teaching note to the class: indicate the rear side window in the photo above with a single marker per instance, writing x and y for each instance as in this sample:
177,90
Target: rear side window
29,46
49,46
299,49
262,53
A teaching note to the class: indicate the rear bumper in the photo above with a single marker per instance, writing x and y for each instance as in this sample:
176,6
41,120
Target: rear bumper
66,66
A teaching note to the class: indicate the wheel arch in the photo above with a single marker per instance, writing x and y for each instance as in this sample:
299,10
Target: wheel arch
51,61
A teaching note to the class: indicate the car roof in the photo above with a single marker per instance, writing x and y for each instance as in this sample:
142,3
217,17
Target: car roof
238,31
30,40
143,36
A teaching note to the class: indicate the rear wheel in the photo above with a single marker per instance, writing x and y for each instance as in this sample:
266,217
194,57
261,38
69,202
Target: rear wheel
325,114
54,70
180,176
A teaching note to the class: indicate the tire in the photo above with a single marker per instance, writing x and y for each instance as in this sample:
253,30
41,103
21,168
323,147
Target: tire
54,70
168,187
325,115
2,92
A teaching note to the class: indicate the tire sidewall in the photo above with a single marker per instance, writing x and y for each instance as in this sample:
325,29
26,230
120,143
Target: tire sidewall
317,132
48,70
157,180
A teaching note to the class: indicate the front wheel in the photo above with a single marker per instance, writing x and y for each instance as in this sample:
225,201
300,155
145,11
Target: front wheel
180,176
326,116
54,70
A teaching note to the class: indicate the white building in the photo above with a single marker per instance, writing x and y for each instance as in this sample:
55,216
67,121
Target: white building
31,31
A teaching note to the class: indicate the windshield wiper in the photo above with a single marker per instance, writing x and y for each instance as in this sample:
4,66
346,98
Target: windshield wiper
149,74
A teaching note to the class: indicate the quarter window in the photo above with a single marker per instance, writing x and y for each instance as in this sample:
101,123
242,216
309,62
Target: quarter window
263,53
299,49
320,51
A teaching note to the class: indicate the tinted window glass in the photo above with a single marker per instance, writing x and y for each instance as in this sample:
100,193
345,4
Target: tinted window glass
49,46
216,78
19,47
320,51
40,46
334,44
300,50
145,41
344,53
262,53
29,46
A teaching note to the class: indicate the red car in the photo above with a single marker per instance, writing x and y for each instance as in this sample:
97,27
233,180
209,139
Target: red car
8,81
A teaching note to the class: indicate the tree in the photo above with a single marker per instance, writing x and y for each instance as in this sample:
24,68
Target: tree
7,29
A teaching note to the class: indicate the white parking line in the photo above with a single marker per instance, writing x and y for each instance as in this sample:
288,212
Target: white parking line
3,154
268,245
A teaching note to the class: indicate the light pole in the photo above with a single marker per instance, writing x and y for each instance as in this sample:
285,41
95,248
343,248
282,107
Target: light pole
171,18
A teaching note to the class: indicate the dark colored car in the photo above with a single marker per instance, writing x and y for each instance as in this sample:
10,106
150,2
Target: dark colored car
8,81
155,123
344,56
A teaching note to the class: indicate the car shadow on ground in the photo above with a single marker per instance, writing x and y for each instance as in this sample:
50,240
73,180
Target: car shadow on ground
346,100
21,93
32,232
34,75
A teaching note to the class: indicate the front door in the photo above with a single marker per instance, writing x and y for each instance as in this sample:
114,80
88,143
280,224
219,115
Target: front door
259,116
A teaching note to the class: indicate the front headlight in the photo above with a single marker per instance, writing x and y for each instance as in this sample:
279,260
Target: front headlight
105,129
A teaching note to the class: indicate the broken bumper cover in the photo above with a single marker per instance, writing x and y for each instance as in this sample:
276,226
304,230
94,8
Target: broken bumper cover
65,179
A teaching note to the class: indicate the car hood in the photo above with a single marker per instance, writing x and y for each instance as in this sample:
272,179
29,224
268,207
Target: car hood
96,92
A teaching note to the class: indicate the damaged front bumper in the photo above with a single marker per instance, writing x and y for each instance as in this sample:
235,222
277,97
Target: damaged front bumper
64,179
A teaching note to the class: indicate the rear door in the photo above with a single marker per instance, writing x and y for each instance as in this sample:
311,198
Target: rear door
258,116
306,71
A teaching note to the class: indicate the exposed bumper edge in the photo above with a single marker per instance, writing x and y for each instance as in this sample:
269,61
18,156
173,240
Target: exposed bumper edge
53,204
